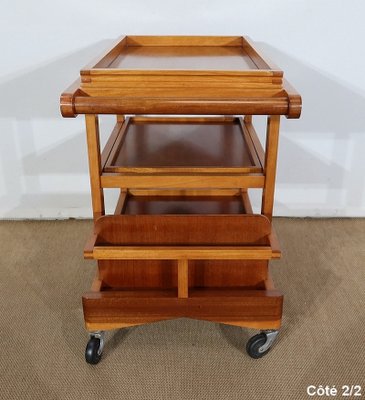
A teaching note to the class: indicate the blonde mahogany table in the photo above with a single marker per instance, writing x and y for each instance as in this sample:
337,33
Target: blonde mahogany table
183,240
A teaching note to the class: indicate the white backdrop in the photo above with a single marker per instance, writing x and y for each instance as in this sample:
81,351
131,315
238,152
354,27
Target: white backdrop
319,45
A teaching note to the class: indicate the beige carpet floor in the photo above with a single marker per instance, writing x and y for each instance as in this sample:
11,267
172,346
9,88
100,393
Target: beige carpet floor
322,342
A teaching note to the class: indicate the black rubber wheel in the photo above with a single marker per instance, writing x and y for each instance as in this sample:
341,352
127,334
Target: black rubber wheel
253,345
91,353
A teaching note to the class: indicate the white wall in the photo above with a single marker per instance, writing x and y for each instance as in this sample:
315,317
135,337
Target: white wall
319,45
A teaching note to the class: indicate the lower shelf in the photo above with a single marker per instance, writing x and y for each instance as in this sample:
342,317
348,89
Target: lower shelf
254,308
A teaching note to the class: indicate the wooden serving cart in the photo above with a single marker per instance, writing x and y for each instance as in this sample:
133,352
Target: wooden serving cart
183,241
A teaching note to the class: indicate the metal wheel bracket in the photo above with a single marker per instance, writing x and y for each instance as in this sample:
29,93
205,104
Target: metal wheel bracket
101,336
270,338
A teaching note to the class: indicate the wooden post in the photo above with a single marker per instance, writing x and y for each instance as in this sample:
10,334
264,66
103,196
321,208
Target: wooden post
93,146
272,141
248,119
182,278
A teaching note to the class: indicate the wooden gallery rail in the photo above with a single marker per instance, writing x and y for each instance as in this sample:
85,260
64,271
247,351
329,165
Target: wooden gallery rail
183,240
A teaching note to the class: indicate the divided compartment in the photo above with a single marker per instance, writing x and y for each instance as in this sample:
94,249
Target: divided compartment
154,266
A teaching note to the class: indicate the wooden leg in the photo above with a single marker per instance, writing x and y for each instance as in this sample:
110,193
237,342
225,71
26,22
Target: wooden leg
246,202
182,278
272,141
93,145
248,119
122,202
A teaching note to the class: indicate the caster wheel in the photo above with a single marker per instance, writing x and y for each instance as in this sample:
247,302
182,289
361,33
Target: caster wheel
254,344
92,352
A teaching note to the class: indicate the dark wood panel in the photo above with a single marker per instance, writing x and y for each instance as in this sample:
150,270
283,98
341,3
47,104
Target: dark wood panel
227,273
182,230
138,273
183,145
163,273
184,205
240,305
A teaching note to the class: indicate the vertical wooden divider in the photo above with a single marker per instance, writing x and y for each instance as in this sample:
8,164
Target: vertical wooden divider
271,151
182,279
93,146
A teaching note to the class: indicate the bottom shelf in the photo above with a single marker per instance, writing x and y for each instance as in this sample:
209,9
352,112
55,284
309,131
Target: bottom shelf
255,307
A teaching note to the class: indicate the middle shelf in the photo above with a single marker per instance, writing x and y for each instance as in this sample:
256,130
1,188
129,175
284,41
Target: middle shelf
171,152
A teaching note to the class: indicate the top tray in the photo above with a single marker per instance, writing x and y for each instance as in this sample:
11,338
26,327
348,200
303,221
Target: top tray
187,54
181,75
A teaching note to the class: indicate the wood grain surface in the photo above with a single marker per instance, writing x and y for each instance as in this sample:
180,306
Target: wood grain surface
241,307
174,230
183,146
